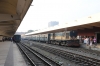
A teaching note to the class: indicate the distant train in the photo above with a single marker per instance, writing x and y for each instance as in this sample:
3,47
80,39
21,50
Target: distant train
16,38
1,38
67,38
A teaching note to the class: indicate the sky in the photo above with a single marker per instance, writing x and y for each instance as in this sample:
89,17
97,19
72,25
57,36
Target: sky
44,11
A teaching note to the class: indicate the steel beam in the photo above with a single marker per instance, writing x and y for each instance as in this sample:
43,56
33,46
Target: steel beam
7,17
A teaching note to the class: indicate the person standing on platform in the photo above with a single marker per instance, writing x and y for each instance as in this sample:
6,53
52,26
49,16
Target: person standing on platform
95,41
87,41
91,41
82,40
3,39
11,39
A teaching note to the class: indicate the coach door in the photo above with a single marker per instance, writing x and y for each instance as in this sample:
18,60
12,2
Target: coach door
98,37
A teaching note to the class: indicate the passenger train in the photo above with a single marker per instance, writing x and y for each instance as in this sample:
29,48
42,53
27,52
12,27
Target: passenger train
67,38
16,38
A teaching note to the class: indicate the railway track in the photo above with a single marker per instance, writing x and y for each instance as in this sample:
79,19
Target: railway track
74,57
81,50
35,58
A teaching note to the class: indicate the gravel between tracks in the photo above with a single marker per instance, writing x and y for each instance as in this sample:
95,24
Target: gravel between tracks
57,59
88,54
73,50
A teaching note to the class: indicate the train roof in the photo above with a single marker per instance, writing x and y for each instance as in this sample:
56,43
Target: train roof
86,22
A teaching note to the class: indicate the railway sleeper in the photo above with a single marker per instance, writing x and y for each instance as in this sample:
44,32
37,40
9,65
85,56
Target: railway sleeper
64,53
81,64
49,59
86,64
89,63
72,59
98,62
80,61
77,61
95,64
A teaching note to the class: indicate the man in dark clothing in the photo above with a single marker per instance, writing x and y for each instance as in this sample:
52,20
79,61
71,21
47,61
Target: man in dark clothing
11,39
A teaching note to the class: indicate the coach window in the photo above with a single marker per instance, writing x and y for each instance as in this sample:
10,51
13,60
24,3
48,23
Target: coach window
60,34
67,35
56,34
51,34
63,34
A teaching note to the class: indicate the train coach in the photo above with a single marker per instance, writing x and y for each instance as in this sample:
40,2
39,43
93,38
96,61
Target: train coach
67,38
16,38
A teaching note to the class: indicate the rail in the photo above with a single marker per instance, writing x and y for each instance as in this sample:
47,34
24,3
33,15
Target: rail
36,58
74,57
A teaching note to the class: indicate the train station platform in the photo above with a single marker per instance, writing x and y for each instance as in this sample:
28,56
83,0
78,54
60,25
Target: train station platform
10,55
93,47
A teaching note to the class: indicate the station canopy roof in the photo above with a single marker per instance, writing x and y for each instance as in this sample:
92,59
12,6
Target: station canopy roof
86,22
12,13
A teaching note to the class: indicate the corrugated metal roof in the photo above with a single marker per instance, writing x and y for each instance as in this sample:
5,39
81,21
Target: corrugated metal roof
86,20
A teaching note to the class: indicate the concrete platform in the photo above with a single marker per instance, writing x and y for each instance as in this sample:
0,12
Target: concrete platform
93,47
10,55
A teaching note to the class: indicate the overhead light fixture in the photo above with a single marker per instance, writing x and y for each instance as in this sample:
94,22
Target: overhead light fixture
12,16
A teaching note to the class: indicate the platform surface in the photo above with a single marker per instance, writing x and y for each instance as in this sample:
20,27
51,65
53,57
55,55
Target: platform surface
10,55
93,47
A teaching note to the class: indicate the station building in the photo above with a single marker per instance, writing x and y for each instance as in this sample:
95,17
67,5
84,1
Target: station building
87,26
